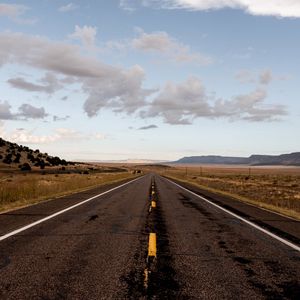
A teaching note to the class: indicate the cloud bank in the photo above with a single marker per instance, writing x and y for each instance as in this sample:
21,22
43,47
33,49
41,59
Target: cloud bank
121,90
277,8
183,102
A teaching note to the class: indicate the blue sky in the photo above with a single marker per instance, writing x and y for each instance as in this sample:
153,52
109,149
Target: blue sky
113,80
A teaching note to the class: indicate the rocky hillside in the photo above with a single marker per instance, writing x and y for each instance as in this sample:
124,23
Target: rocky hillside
292,159
25,158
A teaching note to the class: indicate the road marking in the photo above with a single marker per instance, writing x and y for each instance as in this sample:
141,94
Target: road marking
146,278
153,204
152,245
293,246
5,236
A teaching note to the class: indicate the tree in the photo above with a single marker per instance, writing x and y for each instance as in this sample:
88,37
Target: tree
25,167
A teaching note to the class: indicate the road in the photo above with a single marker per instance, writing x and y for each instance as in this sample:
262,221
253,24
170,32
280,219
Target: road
100,249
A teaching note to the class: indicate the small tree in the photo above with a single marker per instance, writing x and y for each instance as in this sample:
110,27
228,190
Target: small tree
25,167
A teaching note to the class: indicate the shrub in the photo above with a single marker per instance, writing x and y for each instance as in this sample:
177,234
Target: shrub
8,159
25,167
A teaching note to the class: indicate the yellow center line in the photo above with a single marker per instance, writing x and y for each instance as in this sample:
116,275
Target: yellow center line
152,244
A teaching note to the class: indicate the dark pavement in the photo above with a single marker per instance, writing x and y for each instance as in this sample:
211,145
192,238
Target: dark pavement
99,250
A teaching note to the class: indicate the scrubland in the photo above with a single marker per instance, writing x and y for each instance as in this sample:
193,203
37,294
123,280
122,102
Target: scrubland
274,188
21,189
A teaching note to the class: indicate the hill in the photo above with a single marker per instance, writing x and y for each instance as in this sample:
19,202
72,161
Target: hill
292,159
25,158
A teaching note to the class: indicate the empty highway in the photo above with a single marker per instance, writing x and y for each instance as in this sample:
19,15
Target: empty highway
95,245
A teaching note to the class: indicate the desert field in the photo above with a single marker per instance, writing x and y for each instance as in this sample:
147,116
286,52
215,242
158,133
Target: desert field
19,189
275,188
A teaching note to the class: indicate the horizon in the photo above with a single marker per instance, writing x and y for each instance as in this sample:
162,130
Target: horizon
118,80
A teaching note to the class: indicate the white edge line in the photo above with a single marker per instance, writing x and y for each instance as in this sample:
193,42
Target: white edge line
295,247
14,232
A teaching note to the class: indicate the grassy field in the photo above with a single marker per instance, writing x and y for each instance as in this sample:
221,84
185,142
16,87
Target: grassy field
277,189
19,190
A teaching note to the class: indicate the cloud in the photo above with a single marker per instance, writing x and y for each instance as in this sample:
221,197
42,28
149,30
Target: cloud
50,84
121,93
183,102
148,127
245,76
25,112
98,136
26,136
28,111
180,103
86,35
265,77
12,10
5,111
250,107
68,7
162,43
15,12
106,86
126,5
57,118
278,8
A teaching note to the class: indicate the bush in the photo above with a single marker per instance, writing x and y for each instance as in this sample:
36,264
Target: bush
17,159
8,159
25,167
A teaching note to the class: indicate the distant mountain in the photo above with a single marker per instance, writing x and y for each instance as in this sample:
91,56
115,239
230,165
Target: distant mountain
25,158
292,159
132,161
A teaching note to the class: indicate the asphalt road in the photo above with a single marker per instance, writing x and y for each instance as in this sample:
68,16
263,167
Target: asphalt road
99,249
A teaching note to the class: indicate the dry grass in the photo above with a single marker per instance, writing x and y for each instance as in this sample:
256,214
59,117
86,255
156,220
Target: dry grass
18,190
277,189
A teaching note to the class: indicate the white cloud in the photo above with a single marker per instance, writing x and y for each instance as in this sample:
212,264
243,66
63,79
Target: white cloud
98,136
126,5
48,84
106,85
122,93
26,136
85,34
25,111
161,42
68,7
278,8
5,111
121,90
182,103
28,111
265,77
12,10
15,12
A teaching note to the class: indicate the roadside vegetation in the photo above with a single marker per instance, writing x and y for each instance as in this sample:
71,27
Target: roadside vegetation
19,189
276,189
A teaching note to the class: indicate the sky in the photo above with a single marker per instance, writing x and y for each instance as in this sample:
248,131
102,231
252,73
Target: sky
149,79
